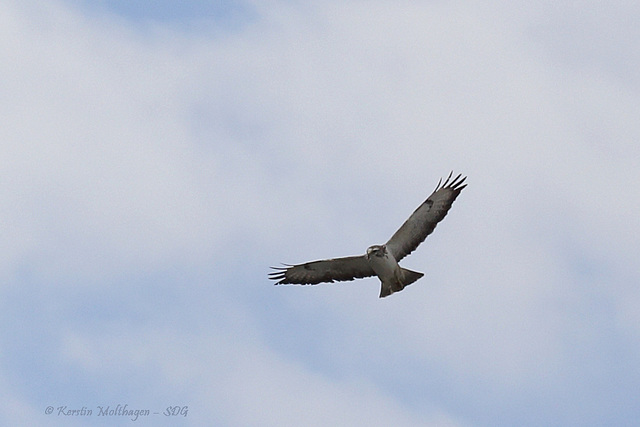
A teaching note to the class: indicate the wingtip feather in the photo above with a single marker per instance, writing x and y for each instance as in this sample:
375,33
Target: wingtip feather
455,184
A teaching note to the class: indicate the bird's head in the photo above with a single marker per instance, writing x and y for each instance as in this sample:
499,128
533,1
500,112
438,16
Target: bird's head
377,250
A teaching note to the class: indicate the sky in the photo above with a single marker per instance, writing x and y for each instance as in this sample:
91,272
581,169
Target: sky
159,157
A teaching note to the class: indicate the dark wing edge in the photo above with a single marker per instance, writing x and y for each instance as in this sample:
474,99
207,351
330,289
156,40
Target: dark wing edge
328,270
424,219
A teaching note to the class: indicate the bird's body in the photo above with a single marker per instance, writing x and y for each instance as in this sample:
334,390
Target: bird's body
393,278
381,260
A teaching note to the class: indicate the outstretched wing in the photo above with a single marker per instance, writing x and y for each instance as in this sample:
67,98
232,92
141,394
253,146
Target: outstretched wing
328,270
423,220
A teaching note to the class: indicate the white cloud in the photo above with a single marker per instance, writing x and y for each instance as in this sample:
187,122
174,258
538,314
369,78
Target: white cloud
232,381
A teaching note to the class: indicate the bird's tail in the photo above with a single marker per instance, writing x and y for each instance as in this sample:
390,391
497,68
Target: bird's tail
407,278
410,276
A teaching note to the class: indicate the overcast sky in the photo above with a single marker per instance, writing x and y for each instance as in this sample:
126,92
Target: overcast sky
158,157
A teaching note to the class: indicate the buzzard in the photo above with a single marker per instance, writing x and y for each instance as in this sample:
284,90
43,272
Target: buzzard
381,260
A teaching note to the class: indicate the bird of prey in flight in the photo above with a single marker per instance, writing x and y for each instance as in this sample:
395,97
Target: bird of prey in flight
381,260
